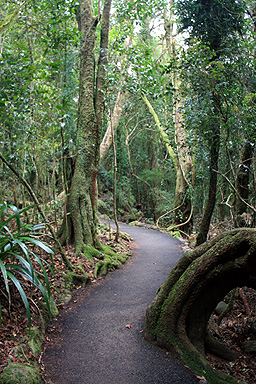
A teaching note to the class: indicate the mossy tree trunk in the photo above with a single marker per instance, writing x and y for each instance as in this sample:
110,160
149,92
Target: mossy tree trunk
80,228
178,317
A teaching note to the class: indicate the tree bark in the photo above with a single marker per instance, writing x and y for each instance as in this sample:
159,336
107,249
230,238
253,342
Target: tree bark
184,174
177,318
242,185
117,112
210,204
81,203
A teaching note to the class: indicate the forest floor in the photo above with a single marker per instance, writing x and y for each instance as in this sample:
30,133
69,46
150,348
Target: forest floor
236,328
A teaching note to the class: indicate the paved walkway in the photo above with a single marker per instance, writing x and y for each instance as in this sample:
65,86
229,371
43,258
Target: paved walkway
94,345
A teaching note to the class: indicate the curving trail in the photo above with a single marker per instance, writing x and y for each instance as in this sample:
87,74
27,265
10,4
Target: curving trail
94,346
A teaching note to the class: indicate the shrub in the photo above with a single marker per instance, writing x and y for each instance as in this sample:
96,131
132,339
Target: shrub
17,243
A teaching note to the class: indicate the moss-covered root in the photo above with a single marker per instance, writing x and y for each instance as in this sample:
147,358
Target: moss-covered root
74,279
108,258
18,373
199,365
109,263
177,319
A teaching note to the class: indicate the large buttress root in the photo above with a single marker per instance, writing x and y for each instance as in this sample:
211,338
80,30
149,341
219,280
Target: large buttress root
178,317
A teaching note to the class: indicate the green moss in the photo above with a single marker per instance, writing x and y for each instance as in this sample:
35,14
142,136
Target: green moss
65,299
199,365
89,252
73,279
18,373
109,263
35,340
107,250
175,234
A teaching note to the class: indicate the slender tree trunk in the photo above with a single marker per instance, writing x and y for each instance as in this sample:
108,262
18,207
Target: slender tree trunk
184,171
117,112
114,181
210,204
242,185
182,166
1,45
184,174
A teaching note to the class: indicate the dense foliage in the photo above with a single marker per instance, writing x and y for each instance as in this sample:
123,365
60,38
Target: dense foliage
39,80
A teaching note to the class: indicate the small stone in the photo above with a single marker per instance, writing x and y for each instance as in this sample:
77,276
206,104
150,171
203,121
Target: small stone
221,307
65,299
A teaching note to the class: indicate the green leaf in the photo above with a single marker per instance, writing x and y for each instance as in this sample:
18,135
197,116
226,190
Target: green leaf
4,274
22,294
38,243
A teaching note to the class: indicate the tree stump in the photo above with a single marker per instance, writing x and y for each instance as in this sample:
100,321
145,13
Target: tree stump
177,318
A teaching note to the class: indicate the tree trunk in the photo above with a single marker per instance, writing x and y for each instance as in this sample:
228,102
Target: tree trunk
177,318
183,190
242,185
81,203
183,215
210,204
117,113
182,164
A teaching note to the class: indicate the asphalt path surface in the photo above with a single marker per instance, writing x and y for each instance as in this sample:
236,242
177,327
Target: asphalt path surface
100,337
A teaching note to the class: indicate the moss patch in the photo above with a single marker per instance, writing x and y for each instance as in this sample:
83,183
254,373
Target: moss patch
89,252
35,341
18,373
109,263
73,279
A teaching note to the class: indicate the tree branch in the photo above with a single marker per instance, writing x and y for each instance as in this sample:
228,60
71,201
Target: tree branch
236,192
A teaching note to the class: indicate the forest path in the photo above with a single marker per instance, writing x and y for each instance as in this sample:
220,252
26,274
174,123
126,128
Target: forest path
94,345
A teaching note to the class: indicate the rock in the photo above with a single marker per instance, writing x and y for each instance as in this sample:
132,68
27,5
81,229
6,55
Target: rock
250,346
18,373
65,299
221,307
35,341
73,279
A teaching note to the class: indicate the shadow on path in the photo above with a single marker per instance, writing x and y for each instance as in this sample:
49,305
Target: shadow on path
94,345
